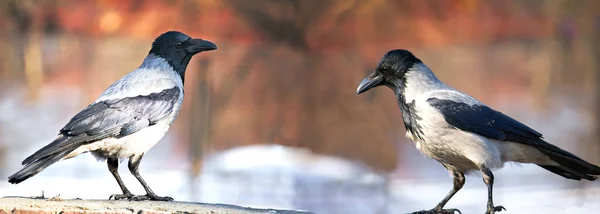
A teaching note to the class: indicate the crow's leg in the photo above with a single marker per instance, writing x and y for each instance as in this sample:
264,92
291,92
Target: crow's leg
134,163
113,166
488,179
459,181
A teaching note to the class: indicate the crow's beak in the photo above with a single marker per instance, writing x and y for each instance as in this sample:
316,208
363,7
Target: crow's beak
369,82
199,45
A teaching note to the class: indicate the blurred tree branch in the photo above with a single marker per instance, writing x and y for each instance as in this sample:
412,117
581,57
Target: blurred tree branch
285,21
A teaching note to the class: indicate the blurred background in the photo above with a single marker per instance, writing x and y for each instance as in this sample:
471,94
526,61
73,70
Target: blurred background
272,120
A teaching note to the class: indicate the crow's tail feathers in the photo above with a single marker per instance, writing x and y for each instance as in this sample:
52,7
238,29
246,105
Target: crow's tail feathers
570,166
50,154
36,167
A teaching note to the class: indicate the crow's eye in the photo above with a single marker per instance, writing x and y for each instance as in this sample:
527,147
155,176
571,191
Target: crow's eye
384,69
178,45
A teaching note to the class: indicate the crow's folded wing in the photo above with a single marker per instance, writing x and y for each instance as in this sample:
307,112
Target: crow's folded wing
484,121
112,118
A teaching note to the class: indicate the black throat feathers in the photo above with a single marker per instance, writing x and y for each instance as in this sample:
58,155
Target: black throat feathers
409,113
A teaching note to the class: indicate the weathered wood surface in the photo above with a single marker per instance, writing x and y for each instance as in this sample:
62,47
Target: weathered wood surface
21,205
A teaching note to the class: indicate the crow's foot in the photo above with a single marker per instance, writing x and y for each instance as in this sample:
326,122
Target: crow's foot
438,211
150,197
117,197
492,210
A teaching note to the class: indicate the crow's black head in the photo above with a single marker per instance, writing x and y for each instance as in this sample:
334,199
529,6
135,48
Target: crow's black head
392,67
178,48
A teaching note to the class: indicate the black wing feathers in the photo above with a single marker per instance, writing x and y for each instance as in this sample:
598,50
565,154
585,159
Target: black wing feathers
492,124
484,121
111,118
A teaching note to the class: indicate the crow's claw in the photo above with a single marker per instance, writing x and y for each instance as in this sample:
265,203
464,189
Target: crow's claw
492,210
438,211
150,197
117,197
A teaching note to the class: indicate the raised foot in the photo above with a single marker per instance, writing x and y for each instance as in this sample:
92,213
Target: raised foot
120,196
438,211
150,198
492,210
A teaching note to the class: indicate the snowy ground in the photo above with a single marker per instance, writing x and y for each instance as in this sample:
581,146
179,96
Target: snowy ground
522,189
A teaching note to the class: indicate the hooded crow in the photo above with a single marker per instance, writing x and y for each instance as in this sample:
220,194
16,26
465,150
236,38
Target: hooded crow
129,118
462,133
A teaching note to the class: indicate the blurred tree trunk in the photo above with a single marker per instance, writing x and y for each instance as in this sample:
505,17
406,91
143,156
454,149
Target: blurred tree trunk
34,75
2,156
596,54
587,39
21,16
200,117
29,15
542,80
200,122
